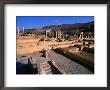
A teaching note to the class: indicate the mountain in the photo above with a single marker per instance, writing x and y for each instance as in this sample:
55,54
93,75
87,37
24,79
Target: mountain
66,28
82,27
33,30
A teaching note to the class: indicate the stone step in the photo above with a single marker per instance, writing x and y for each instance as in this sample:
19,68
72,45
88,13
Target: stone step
45,72
45,66
46,69
43,63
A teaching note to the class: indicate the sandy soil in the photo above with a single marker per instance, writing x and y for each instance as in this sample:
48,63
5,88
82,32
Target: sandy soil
32,44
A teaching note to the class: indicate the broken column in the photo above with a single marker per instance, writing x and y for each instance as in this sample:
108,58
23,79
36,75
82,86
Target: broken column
81,35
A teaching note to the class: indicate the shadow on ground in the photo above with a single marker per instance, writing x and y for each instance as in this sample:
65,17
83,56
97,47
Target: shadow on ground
22,68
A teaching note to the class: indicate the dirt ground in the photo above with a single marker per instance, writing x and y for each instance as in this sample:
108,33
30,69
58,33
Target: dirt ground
25,45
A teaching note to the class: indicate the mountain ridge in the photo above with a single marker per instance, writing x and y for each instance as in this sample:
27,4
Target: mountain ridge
66,28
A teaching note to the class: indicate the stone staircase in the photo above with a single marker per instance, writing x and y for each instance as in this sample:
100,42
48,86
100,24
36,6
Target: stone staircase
44,68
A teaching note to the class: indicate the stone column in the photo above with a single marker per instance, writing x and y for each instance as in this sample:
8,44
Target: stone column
56,34
81,35
89,36
23,30
18,30
46,33
59,34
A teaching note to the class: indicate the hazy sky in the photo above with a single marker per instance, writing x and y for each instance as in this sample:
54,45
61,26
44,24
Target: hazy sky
40,21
